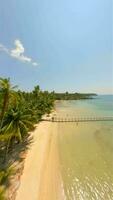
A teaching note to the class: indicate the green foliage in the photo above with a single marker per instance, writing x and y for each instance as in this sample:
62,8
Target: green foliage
73,96
19,111
7,92
2,193
5,174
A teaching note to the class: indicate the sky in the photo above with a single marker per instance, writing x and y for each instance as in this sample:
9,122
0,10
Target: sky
61,45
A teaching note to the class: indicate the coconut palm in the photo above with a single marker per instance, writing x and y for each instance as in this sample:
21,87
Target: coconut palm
15,126
36,91
7,91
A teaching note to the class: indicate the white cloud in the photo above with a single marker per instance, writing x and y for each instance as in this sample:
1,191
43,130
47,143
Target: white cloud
3,48
18,52
35,64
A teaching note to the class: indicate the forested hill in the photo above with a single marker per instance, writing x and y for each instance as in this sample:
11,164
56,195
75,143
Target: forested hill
74,96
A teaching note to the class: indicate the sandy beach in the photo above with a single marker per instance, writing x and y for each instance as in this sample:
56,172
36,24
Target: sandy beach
72,157
41,178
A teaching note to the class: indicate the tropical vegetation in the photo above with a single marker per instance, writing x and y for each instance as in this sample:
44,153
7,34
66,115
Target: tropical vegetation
19,112
73,96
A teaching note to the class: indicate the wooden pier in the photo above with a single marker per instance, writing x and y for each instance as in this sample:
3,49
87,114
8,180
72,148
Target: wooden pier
78,119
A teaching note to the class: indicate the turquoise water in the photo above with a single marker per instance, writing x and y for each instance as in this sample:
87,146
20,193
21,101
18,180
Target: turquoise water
99,106
86,150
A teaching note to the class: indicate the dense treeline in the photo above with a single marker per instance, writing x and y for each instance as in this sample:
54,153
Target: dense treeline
73,96
19,112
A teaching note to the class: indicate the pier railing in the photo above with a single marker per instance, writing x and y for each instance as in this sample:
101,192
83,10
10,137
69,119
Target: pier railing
78,119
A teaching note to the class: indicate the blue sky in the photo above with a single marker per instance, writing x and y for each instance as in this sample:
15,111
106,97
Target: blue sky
62,45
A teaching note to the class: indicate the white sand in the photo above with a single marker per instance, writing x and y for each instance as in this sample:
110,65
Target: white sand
41,179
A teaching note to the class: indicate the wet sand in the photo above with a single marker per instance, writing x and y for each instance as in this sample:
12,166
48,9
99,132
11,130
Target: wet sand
41,179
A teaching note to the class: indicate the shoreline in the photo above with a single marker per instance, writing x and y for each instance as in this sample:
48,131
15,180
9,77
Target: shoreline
41,177
41,167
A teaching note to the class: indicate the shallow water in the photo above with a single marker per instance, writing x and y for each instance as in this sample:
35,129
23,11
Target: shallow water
86,150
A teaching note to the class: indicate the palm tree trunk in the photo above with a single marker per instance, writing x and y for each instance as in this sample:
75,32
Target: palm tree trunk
4,108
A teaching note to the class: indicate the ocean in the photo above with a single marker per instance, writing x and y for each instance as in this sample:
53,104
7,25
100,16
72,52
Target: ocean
86,149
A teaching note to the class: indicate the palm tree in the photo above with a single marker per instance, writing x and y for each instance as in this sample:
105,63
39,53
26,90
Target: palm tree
16,125
7,91
36,91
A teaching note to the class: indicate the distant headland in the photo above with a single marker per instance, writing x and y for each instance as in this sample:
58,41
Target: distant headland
74,96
